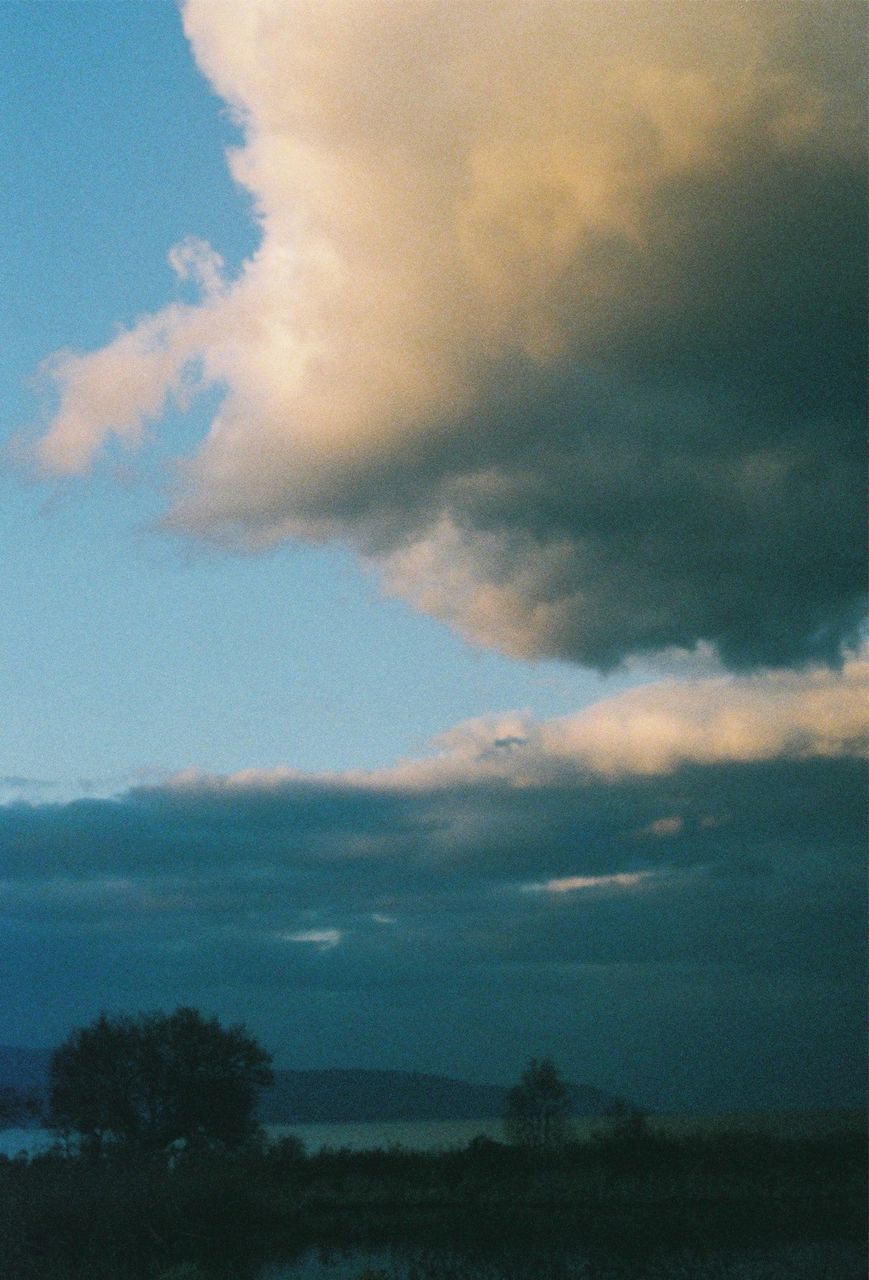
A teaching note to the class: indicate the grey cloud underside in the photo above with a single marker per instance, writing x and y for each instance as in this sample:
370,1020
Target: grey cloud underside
756,910
486,831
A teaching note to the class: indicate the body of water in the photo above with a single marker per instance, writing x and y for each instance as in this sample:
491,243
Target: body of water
443,1135
812,1261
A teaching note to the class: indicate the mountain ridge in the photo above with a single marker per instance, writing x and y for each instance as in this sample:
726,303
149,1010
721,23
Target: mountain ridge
342,1095
350,1095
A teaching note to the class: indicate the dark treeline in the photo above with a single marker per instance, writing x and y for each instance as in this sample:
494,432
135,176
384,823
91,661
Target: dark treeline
631,1194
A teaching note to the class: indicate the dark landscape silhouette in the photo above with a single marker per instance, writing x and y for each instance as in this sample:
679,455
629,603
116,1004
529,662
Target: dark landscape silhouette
160,1169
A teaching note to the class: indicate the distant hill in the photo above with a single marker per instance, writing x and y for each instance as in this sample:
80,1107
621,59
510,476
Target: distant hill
342,1096
349,1096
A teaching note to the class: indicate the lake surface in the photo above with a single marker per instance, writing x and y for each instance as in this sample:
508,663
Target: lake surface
442,1135
813,1261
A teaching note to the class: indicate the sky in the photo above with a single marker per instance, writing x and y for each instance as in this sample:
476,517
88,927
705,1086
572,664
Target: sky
433,534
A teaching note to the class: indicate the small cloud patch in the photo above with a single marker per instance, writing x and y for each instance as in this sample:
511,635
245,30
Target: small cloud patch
664,827
322,939
571,884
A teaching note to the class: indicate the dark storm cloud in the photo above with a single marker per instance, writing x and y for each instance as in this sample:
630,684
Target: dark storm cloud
268,902
488,830
693,472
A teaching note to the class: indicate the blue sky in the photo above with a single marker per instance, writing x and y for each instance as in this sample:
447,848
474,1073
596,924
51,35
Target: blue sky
432,535
125,653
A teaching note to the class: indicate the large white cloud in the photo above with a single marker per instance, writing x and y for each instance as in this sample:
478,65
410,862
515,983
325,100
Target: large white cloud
556,316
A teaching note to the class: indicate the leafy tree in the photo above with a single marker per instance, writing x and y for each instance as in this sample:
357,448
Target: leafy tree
538,1108
156,1079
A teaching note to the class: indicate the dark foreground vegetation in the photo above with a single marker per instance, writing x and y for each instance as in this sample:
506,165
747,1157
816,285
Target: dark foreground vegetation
624,1205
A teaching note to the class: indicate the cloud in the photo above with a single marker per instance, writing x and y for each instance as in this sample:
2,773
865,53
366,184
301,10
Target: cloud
570,884
466,926
324,939
558,318
664,827
656,728
621,892
15,787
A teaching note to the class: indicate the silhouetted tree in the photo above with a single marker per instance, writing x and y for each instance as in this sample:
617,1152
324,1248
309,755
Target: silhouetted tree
538,1107
156,1079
